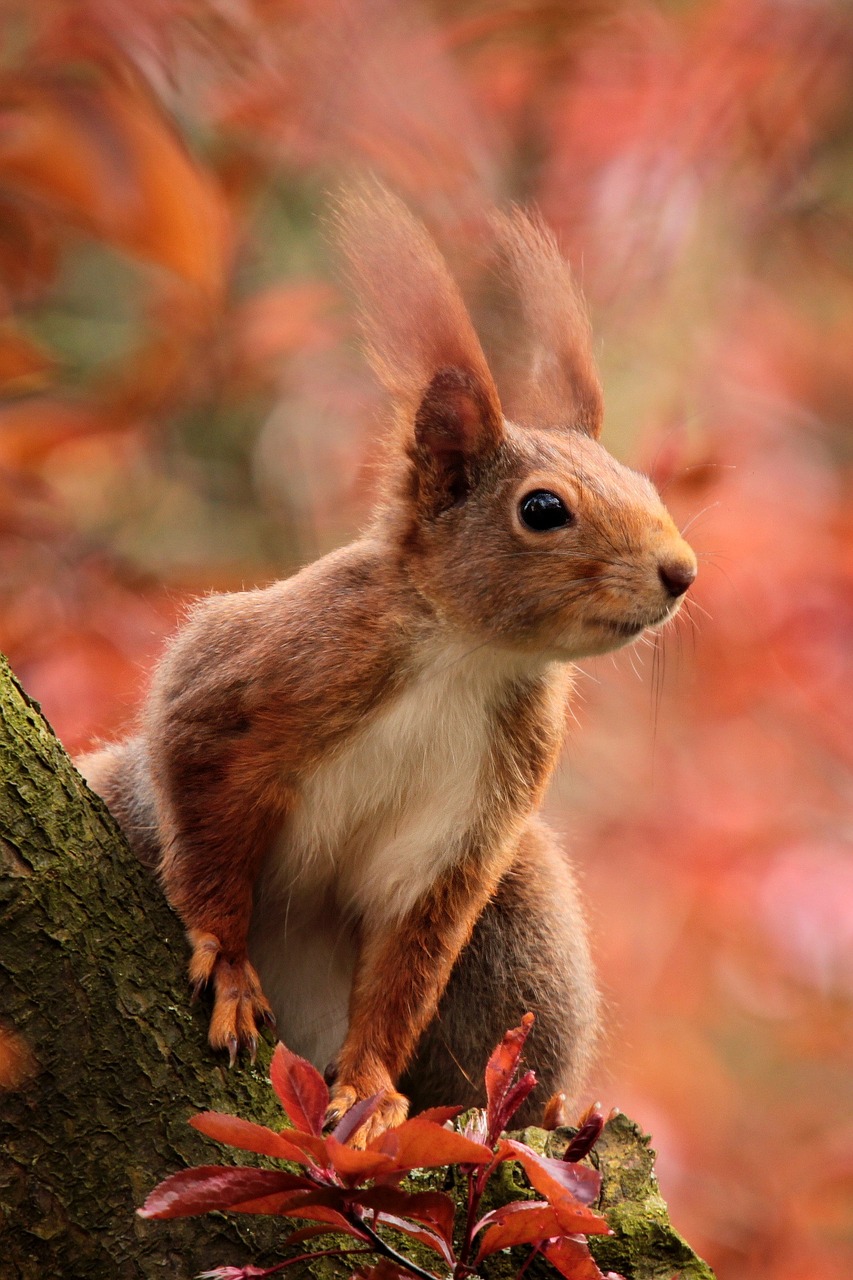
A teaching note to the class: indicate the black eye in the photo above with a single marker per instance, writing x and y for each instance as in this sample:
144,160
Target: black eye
542,510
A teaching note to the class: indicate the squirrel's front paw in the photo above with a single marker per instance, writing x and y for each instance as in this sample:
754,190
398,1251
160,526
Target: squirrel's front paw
392,1109
239,1004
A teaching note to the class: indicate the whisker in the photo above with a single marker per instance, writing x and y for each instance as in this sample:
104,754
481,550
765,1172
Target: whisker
697,516
694,604
694,466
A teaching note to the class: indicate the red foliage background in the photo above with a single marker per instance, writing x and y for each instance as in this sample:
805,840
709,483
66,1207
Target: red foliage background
183,409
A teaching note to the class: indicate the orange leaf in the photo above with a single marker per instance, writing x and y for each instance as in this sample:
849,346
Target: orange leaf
420,1144
518,1224
105,157
245,1135
572,1215
31,428
572,1259
351,1162
24,366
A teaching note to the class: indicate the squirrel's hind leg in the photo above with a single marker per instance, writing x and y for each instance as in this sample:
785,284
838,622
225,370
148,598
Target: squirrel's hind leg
119,774
529,951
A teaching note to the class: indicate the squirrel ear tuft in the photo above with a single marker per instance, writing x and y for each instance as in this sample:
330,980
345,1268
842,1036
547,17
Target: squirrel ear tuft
413,320
554,383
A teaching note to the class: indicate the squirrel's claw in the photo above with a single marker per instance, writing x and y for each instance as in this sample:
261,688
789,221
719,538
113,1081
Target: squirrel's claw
392,1110
239,1004
343,1098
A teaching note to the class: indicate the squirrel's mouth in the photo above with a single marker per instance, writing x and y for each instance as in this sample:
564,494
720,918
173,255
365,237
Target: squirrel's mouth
626,629
630,629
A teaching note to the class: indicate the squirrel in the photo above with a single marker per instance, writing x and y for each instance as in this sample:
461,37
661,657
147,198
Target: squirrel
338,776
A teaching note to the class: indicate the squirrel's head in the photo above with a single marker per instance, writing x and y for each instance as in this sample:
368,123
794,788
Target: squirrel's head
518,527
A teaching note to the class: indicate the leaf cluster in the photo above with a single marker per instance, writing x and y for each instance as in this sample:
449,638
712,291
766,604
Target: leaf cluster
360,1193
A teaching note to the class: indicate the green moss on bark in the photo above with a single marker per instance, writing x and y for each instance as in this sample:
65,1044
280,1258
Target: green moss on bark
92,977
644,1244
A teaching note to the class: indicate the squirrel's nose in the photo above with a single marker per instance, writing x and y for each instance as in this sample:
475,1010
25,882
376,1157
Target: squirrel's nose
676,575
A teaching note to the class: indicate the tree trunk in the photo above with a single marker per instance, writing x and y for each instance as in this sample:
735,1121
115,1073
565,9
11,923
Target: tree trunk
102,1057
92,978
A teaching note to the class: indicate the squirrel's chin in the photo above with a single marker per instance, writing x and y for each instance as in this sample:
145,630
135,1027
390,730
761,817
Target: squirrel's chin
604,635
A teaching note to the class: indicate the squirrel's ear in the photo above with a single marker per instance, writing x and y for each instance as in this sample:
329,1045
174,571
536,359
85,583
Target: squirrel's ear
457,428
417,331
554,384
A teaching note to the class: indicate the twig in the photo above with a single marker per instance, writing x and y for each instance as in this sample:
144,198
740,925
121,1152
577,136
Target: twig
385,1249
533,1252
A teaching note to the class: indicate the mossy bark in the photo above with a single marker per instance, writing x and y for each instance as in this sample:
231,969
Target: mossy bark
113,1059
92,979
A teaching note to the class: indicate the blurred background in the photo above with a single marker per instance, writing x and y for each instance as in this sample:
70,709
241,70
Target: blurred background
184,408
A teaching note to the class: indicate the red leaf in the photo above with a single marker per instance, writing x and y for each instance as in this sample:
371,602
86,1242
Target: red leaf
245,1135
420,1233
589,1131
432,1207
305,1233
318,1204
356,1116
439,1115
350,1162
301,1090
420,1144
519,1223
500,1071
276,1205
513,1099
572,1259
209,1187
230,1273
573,1216
306,1148
333,1220
515,1209
583,1183
383,1270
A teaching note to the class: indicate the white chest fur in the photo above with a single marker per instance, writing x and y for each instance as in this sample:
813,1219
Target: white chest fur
382,818
377,824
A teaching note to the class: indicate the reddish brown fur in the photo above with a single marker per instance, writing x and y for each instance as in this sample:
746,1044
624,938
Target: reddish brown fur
414,321
558,386
262,693
526,952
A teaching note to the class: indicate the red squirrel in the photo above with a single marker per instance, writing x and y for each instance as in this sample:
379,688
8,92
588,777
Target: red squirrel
338,775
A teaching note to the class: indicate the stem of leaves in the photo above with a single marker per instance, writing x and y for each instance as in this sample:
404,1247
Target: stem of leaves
476,1186
304,1257
382,1247
527,1261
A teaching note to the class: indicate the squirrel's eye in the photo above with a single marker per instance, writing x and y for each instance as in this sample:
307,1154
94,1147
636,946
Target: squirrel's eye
543,510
